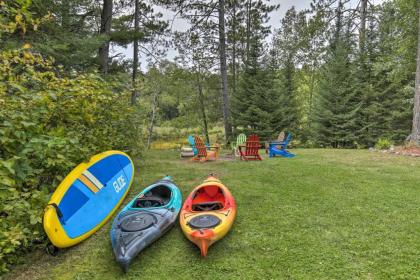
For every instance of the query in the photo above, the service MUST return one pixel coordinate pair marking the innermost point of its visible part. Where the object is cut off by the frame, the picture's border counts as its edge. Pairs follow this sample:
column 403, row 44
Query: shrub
column 49, row 122
column 383, row 144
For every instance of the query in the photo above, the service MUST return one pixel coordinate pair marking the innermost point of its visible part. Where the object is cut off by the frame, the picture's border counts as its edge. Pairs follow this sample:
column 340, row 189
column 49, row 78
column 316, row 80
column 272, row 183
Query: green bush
column 49, row 122
column 383, row 144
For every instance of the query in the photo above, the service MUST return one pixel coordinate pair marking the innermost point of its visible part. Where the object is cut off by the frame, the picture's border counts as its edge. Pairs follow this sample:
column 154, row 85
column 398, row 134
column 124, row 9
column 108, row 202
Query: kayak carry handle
column 212, row 174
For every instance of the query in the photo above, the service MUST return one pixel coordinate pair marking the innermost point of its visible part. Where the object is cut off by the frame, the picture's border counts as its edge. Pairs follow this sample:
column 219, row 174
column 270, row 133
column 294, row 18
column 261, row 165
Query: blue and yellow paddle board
column 87, row 198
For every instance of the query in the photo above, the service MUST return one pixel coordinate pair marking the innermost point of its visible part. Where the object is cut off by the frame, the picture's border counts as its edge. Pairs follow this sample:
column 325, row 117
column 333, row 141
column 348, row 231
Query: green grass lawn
column 326, row 214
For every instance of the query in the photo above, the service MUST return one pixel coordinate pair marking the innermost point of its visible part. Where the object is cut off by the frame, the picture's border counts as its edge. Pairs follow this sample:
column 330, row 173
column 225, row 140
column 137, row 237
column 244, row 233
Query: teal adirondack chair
column 192, row 144
column 191, row 141
column 241, row 139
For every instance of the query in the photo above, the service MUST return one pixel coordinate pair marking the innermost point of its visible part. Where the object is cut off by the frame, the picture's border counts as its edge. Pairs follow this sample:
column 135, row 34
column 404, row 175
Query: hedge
column 49, row 122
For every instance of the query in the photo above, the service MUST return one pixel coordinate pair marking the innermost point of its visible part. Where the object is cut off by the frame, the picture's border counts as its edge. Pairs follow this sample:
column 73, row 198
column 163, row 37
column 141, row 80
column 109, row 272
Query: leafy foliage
column 49, row 122
column 383, row 144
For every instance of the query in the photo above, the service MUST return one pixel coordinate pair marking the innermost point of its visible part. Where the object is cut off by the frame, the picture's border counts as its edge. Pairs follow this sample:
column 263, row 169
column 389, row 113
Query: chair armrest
column 217, row 147
column 276, row 143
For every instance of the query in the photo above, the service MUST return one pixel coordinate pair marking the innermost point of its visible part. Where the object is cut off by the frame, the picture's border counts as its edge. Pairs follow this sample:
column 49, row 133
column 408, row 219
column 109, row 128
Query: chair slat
column 199, row 145
column 252, row 147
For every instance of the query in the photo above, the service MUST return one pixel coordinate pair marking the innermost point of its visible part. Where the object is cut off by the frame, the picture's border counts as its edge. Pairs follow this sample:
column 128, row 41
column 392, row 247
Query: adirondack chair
column 202, row 153
column 186, row 151
column 279, row 148
column 192, row 144
column 280, row 138
column 241, row 139
column 251, row 147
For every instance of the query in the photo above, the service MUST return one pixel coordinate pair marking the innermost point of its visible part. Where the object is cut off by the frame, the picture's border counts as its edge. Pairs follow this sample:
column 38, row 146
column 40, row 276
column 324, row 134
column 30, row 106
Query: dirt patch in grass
column 407, row 151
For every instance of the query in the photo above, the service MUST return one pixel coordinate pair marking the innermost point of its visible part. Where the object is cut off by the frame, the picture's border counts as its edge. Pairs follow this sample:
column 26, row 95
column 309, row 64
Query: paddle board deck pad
column 144, row 219
column 87, row 198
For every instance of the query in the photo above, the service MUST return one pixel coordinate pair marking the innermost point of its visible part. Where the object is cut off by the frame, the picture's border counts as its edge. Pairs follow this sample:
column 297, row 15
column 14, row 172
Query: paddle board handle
column 55, row 206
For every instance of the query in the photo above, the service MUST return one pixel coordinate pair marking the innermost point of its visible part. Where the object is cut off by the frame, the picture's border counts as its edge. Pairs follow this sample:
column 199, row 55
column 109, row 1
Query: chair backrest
column 240, row 139
column 281, row 136
column 252, row 145
column 286, row 142
column 199, row 145
column 192, row 143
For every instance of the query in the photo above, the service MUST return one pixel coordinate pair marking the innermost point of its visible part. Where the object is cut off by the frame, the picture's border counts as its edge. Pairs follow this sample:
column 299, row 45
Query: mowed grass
column 326, row 214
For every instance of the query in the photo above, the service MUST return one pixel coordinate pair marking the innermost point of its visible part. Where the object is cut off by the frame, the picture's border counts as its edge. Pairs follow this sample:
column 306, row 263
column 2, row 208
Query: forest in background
column 334, row 75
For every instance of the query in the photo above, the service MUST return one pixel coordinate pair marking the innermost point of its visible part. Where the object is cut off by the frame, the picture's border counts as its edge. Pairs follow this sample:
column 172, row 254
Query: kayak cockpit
column 158, row 196
column 208, row 198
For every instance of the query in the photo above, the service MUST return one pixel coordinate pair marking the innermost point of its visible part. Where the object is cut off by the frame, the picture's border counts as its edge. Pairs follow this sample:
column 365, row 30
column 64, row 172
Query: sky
column 179, row 24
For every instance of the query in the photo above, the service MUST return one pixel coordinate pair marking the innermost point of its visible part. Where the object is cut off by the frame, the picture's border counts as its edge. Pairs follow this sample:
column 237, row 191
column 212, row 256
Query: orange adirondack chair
column 202, row 153
column 252, row 146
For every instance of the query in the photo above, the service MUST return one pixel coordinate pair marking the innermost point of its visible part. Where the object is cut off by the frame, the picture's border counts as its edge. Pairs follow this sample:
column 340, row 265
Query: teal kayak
column 144, row 219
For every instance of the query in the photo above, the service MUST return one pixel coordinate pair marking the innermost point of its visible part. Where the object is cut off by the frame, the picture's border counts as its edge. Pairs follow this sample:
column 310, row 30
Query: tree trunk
column 234, row 49
column 415, row 130
column 248, row 28
column 338, row 24
column 134, row 93
column 202, row 107
column 362, row 33
column 311, row 94
column 223, row 72
column 106, row 20
column 152, row 120
column 65, row 14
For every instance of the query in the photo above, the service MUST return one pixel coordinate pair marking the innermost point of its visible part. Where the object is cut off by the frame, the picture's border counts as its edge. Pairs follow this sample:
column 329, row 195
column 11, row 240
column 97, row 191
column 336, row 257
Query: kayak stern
column 203, row 238
column 124, row 262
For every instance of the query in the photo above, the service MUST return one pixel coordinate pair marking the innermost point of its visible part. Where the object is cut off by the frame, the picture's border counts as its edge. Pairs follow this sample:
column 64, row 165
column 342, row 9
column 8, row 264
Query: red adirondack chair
column 252, row 146
column 202, row 153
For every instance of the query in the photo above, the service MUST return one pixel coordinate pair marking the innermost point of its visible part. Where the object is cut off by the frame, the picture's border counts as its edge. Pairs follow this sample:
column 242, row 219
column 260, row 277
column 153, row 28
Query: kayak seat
column 149, row 201
column 207, row 206
column 156, row 197
column 208, row 198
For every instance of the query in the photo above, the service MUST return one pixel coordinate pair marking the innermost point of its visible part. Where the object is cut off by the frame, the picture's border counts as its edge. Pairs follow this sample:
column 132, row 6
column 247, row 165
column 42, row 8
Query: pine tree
column 286, row 113
column 336, row 105
column 254, row 104
column 393, row 72
column 371, row 121
column 286, row 46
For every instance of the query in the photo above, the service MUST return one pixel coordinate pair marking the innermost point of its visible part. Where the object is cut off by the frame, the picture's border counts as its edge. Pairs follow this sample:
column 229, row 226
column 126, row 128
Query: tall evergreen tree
column 368, row 132
column 254, row 103
column 393, row 69
column 336, row 105
column 287, row 44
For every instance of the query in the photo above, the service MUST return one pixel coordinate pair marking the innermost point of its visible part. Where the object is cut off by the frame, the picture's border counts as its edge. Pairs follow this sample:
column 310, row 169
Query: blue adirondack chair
column 191, row 141
column 274, row 149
